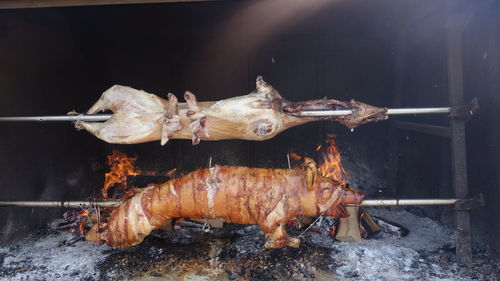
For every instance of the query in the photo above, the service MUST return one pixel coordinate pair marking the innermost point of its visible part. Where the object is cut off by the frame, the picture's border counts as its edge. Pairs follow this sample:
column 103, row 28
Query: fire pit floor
column 236, row 253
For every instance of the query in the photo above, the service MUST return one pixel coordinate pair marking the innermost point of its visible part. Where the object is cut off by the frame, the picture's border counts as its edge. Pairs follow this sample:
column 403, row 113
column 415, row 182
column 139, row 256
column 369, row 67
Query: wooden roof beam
column 26, row 4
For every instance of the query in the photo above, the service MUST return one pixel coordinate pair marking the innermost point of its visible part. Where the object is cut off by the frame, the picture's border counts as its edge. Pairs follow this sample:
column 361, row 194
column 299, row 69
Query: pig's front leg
column 274, row 228
column 278, row 238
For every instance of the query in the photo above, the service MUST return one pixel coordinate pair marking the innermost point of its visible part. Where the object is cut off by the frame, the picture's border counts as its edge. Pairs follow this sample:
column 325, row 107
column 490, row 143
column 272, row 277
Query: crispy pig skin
column 266, row 197
column 142, row 117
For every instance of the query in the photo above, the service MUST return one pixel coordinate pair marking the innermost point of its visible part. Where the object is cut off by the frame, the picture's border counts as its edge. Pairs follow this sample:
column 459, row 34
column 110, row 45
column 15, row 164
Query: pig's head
column 333, row 196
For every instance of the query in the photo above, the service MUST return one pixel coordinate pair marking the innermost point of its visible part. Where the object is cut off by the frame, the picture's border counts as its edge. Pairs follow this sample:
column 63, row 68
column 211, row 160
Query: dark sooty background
column 56, row 60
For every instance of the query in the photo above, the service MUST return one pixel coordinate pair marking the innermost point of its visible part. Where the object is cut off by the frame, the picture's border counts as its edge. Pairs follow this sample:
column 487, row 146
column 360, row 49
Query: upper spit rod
column 74, row 118
column 390, row 111
column 112, row 204
column 104, row 117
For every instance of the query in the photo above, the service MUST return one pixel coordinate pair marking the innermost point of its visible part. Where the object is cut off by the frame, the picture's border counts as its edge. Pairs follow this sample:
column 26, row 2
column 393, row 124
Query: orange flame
column 120, row 167
column 84, row 213
column 331, row 165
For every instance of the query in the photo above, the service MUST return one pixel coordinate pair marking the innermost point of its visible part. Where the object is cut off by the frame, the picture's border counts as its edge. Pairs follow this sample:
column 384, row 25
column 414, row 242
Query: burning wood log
column 142, row 117
column 267, row 197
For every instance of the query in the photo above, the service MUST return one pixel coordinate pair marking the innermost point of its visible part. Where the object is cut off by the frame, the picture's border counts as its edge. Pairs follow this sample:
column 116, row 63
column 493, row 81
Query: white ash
column 425, row 233
column 422, row 255
column 51, row 258
column 250, row 242
column 425, row 254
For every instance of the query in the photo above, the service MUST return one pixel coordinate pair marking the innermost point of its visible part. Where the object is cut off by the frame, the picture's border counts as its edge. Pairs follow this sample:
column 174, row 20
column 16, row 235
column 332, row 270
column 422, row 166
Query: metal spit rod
column 65, row 204
column 319, row 113
column 407, row 202
column 390, row 111
column 112, row 204
column 74, row 118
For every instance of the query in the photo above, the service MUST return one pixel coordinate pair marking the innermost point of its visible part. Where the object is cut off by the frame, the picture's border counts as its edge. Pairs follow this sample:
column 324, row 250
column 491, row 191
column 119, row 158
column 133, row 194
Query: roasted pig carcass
column 142, row 117
column 266, row 197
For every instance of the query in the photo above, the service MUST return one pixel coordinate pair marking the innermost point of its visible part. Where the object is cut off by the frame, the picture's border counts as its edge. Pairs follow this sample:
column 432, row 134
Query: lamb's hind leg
column 101, row 105
column 104, row 103
column 91, row 127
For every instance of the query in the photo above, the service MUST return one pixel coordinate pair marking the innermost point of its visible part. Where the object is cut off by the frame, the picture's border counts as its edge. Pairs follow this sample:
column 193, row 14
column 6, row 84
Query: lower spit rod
column 319, row 113
column 113, row 204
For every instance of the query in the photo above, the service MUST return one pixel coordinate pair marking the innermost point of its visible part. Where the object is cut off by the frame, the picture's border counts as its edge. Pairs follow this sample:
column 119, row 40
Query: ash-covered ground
column 236, row 253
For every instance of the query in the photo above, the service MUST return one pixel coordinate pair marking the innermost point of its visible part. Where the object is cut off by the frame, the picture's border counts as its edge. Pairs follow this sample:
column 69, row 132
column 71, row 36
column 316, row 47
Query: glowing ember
column 84, row 213
column 120, row 167
column 331, row 165
column 295, row 156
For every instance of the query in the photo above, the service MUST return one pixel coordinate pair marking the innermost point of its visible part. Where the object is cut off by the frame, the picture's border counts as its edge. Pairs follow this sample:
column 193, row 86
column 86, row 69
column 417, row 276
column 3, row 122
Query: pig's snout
column 353, row 197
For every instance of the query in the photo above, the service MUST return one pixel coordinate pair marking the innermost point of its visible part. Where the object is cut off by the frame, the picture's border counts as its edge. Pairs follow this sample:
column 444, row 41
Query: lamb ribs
column 142, row 117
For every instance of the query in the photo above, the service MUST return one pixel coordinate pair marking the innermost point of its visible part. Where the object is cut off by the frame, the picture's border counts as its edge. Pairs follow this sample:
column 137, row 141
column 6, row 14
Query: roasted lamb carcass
column 266, row 197
column 142, row 117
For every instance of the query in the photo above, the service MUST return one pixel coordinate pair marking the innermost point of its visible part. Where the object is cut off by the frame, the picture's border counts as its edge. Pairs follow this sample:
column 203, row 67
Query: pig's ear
column 311, row 170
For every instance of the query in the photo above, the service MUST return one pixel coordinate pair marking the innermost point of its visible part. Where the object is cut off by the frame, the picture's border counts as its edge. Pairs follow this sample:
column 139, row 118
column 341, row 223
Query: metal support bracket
column 470, row 204
column 465, row 111
column 424, row 128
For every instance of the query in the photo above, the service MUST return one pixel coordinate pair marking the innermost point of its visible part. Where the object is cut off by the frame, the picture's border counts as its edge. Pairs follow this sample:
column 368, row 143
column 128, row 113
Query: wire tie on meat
column 320, row 222
column 313, row 222
column 96, row 207
column 79, row 118
column 206, row 226
column 322, row 214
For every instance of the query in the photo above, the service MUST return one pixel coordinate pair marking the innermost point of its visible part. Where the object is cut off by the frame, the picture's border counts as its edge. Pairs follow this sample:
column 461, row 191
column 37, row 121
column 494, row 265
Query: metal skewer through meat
column 321, row 113
column 266, row 197
column 117, row 203
column 142, row 117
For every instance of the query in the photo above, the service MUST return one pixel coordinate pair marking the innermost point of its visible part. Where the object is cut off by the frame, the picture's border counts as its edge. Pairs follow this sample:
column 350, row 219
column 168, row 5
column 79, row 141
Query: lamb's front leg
column 171, row 120
column 198, row 118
